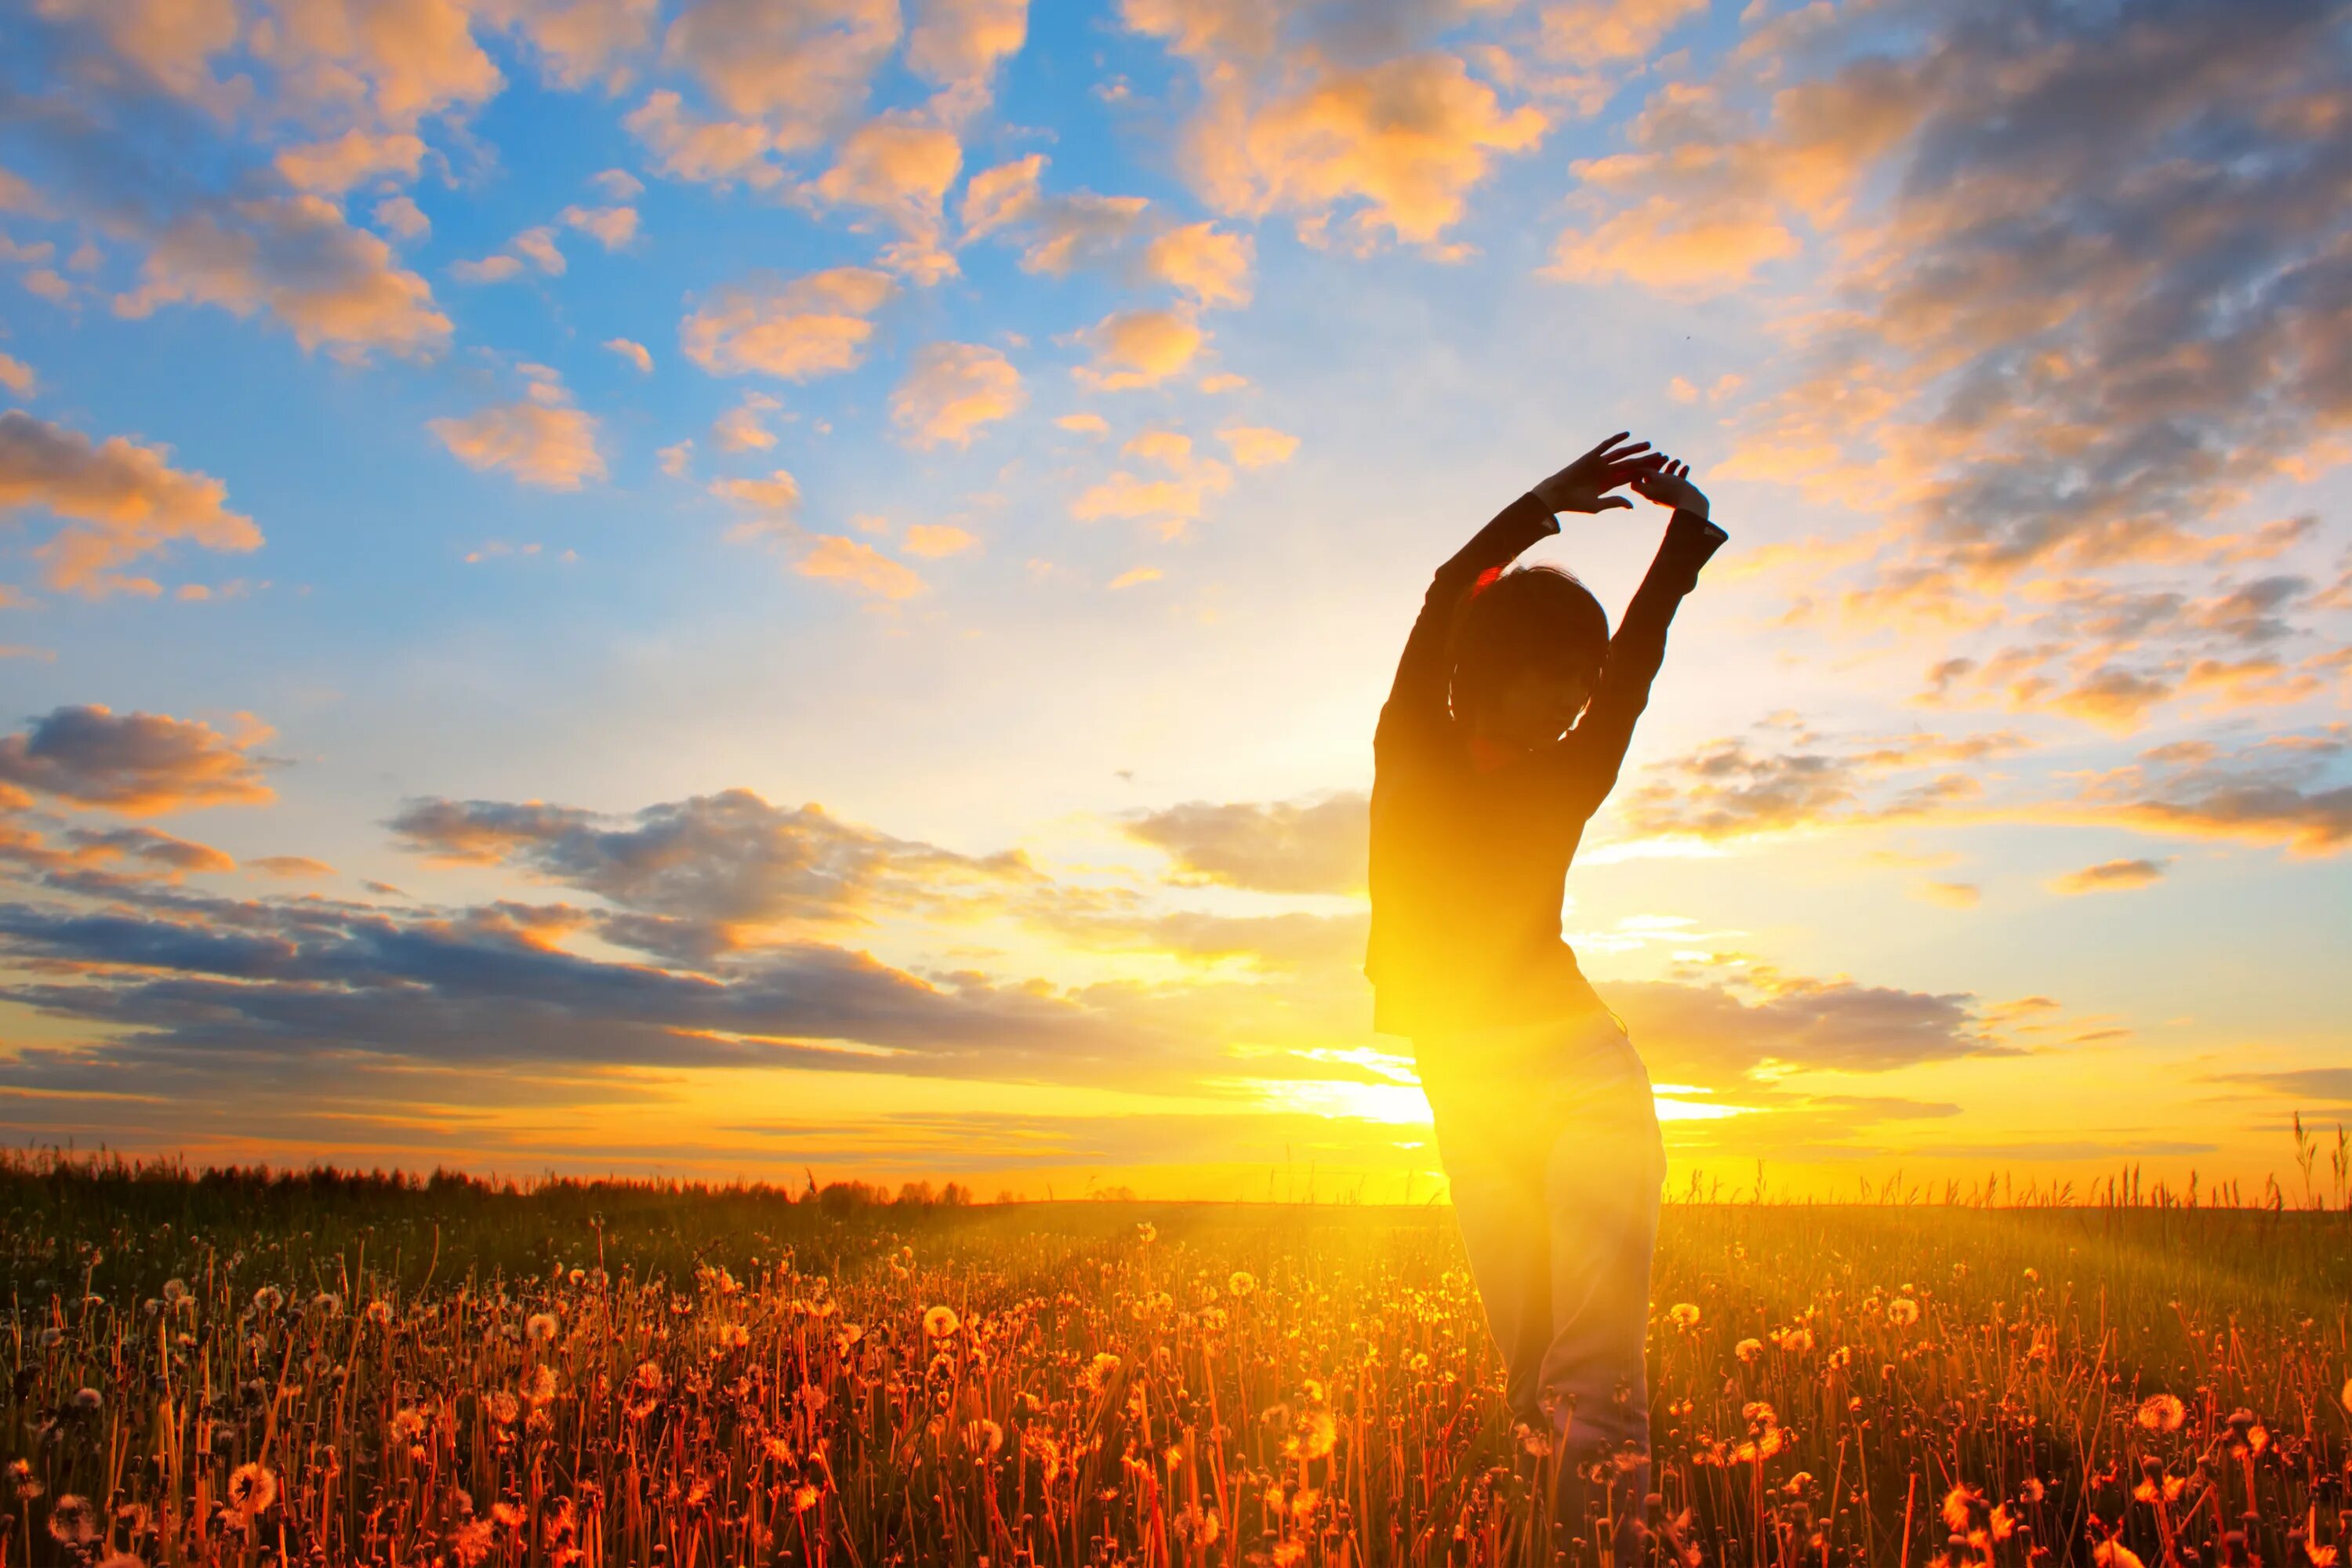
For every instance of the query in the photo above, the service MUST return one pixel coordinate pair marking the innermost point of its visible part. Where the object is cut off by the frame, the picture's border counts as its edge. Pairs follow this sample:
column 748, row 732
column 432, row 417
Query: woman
column 1484, row 775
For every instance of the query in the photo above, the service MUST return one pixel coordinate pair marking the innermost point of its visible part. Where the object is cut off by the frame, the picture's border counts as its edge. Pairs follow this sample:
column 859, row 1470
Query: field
column 320, row 1369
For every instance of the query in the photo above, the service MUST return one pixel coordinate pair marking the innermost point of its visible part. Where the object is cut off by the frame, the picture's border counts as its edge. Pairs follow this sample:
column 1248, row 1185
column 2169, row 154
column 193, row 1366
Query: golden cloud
column 950, row 390
column 1203, row 261
column 799, row 67
column 541, row 440
column 141, row 764
column 295, row 257
column 120, row 500
column 1258, row 446
column 1141, row 348
column 810, row 326
column 2110, row 876
column 331, row 167
column 858, row 565
column 1399, row 143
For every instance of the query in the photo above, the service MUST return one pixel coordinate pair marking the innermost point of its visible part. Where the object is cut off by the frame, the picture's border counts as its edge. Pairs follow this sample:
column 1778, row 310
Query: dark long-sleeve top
column 1469, row 864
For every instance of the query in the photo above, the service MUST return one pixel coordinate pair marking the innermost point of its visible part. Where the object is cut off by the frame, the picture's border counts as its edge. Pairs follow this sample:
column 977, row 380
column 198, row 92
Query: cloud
column 119, row 502
column 170, row 42
column 537, row 246
column 331, row 285
column 611, row 228
column 932, row 540
column 2081, row 283
column 395, row 61
column 1257, row 446
column 2109, row 876
column 950, row 390
column 141, row 764
column 731, row 859
column 1274, row 846
column 1169, row 503
column 1203, row 261
column 1285, row 123
column 1141, row 348
column 1134, row 577
column 776, row 497
column 959, row 44
column 1612, row 29
column 899, row 169
column 2112, row 653
column 1001, row 196
column 1085, row 424
column 540, row 439
column 1734, row 788
column 708, row 152
column 740, row 428
column 2279, row 791
column 2299, row 1083
column 579, row 41
column 811, row 326
column 292, row 866
column 331, row 167
column 402, row 218
column 635, row 353
column 798, row 68
column 16, row 376
column 857, row 564
column 1700, row 1030
column 487, row 270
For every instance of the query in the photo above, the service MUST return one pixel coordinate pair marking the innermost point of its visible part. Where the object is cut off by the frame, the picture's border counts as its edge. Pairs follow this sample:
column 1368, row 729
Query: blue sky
column 1052, row 525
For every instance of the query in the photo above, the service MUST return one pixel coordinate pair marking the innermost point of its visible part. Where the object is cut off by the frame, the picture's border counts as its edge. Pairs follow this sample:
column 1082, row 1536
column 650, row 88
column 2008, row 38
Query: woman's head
column 1527, row 655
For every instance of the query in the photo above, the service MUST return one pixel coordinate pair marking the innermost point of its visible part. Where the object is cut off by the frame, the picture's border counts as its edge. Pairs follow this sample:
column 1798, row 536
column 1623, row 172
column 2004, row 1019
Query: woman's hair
column 1538, row 616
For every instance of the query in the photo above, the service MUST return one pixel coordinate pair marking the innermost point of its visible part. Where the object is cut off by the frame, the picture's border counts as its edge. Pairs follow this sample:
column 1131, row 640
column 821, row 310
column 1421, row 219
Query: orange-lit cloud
column 1798, row 781
column 612, row 227
column 2109, row 876
column 334, row 285
column 396, row 61
column 1203, row 261
column 1258, row 446
column 1274, row 846
column 899, row 168
column 810, row 326
column 1396, row 142
column 950, row 390
column 931, row 541
column 540, row 439
column 742, row 427
column 2280, row 791
column 959, row 44
column 138, row 763
column 1170, row 500
column 1141, row 348
column 685, row 146
column 857, row 564
column 118, row 500
column 798, row 68
column 331, row 167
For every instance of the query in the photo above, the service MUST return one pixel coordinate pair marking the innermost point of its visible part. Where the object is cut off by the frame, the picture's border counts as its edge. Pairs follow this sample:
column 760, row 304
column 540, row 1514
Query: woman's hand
column 1584, row 485
column 1669, row 485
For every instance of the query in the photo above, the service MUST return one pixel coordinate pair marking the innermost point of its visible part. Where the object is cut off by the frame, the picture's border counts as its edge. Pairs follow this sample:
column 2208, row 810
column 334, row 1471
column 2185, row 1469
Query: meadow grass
column 327, row 1369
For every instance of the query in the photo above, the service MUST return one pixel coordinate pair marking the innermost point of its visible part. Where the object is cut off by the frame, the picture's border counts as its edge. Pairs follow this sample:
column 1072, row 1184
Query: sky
column 734, row 589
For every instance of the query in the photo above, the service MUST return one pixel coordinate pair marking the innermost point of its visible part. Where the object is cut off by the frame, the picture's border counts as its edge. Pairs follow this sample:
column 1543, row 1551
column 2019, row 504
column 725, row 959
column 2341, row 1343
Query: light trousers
column 1551, row 1148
